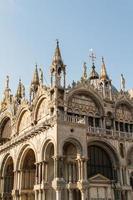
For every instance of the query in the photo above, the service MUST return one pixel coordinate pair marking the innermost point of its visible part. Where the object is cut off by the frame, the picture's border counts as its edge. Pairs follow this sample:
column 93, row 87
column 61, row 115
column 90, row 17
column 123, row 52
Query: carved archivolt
column 42, row 110
column 82, row 104
column 25, row 121
column 123, row 113
column 6, row 130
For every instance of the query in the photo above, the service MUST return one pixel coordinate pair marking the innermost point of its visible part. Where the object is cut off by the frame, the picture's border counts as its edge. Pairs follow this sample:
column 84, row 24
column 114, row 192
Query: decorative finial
column 41, row 75
column 7, row 82
column 92, row 56
column 57, row 42
column 122, row 83
column 36, row 65
column 103, row 60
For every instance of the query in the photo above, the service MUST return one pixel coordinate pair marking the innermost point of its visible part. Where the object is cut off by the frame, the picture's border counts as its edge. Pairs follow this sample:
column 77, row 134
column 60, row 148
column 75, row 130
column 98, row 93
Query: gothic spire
column 35, row 80
column 34, row 83
column 103, row 75
column 20, row 91
column 57, row 59
column 58, row 69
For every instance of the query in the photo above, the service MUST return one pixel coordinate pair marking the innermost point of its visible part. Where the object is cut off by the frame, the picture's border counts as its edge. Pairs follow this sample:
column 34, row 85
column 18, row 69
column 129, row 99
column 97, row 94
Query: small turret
column 34, row 83
column 58, row 69
column 20, row 94
column 35, row 80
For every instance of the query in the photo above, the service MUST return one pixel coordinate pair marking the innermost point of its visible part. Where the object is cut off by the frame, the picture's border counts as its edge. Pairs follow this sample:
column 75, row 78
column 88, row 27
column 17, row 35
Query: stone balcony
column 96, row 131
column 102, row 132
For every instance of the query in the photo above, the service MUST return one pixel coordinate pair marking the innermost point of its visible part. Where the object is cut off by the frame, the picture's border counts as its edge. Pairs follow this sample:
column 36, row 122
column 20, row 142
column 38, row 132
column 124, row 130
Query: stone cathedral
column 70, row 142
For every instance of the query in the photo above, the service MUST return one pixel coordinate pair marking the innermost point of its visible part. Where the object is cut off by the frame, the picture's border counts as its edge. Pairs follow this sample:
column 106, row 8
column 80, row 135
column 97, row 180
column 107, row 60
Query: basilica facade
column 70, row 142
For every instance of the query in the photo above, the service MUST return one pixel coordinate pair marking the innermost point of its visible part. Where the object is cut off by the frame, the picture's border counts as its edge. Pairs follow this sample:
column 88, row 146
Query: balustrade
column 95, row 130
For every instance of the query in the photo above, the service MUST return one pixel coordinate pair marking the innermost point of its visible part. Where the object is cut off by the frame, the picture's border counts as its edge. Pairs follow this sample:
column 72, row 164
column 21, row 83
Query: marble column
column 40, row 195
column 44, row 195
column 58, row 195
column 43, row 171
column 83, row 195
column 36, row 195
column 70, row 194
column 79, row 169
column 37, row 167
column 40, row 172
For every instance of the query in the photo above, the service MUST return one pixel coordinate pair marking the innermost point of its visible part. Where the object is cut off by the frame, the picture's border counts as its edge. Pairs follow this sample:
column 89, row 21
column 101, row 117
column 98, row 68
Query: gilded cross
column 92, row 56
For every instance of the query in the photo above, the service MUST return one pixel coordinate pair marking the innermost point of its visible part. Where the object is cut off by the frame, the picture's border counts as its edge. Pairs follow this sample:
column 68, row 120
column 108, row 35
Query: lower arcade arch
column 102, row 168
column 8, row 178
column 28, row 172
column 70, row 172
column 100, row 162
column 49, row 170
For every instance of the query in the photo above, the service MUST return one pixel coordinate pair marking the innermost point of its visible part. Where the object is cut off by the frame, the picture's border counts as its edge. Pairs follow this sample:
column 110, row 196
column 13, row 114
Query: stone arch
column 75, row 142
column 7, row 171
column 5, row 129
column 124, row 110
column 102, row 150
column 71, row 152
column 5, row 158
column 23, row 150
column 90, row 93
column 109, row 148
column 40, row 108
column 24, row 120
column 26, row 164
column 48, row 152
column 45, row 145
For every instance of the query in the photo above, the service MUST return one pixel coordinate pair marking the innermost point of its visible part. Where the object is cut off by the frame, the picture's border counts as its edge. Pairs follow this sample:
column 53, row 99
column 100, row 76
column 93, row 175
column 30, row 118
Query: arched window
column 99, row 162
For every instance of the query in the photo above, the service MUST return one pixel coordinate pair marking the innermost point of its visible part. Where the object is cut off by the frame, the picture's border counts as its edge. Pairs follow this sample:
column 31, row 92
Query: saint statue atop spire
column 41, row 76
column 84, row 76
column 7, row 82
column 7, row 89
column 122, row 83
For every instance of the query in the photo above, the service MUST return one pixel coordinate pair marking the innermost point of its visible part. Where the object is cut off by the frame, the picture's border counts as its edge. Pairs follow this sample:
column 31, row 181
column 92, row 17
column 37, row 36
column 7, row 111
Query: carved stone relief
column 123, row 113
column 82, row 104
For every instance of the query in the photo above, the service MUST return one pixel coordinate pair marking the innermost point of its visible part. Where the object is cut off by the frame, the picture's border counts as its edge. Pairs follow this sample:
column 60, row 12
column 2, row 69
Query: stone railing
column 95, row 131
column 72, row 119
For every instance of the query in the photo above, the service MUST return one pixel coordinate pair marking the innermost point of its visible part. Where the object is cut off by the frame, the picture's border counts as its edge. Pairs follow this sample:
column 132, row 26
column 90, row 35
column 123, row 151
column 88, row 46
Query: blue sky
column 29, row 29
